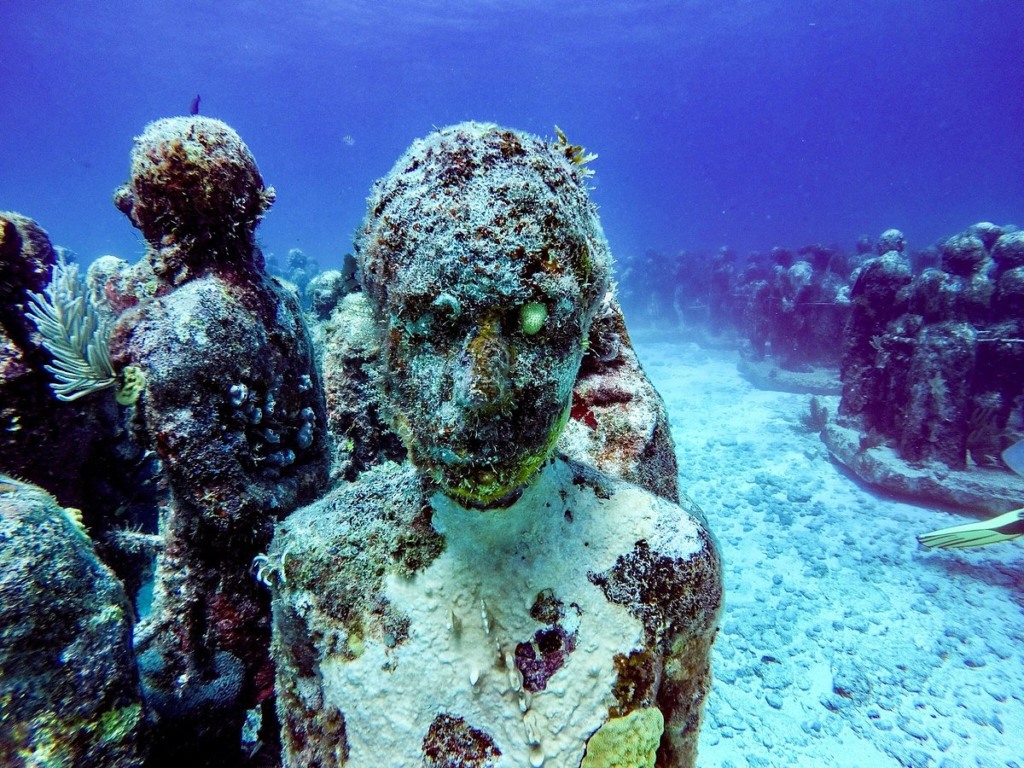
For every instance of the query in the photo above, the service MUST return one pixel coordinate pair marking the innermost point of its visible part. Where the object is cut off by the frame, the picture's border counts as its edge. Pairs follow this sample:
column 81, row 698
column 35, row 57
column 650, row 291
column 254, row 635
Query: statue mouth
column 479, row 479
column 486, row 473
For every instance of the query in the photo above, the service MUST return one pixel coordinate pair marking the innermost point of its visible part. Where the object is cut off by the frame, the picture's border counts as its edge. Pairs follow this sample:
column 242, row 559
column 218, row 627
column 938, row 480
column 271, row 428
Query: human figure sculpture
column 234, row 410
column 489, row 603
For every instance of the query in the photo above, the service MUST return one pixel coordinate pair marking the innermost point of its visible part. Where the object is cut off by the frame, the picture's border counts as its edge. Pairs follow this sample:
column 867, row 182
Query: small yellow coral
column 626, row 742
column 131, row 382
column 75, row 516
column 577, row 154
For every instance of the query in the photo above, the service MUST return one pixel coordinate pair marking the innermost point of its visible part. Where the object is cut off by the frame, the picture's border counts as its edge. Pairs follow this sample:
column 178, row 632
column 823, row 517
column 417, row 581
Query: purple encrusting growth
column 544, row 655
column 550, row 646
column 671, row 597
column 659, row 591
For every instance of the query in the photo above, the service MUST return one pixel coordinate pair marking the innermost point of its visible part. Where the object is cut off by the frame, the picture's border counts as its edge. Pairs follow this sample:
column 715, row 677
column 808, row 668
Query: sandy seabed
column 843, row 642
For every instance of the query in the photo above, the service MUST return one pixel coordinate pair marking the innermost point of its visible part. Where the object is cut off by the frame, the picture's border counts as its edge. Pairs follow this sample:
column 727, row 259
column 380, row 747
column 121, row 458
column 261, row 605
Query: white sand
column 826, row 587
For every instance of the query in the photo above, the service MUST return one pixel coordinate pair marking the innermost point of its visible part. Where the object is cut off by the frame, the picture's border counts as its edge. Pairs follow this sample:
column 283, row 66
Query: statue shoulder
column 669, row 572
column 347, row 541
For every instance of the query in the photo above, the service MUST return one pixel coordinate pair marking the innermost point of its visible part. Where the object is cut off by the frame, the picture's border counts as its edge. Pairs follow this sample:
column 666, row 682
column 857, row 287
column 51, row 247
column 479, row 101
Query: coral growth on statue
column 567, row 614
column 234, row 410
column 69, row 688
column 487, row 602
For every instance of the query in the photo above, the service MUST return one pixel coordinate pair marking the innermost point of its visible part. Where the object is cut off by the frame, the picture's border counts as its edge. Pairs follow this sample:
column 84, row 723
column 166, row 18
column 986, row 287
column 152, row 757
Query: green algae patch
column 118, row 725
column 48, row 741
column 532, row 317
column 131, row 383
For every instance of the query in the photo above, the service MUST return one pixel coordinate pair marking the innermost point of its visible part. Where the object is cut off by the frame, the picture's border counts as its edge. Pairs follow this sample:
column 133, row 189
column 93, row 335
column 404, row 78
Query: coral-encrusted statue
column 233, row 408
column 489, row 603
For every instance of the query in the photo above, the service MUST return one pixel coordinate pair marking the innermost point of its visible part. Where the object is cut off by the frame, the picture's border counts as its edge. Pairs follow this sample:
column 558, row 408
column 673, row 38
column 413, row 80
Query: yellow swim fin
column 1002, row 528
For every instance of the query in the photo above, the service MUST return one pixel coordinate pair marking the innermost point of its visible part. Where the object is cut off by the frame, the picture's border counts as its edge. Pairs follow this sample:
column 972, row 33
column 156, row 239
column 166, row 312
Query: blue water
column 748, row 124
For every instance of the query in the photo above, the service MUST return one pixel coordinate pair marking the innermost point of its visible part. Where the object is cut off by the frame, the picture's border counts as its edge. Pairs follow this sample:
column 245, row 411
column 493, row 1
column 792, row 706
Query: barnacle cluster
column 275, row 435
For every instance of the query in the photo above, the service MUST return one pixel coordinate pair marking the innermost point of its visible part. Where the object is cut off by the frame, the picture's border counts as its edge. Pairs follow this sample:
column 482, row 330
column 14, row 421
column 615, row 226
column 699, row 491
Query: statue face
column 479, row 379
column 484, row 261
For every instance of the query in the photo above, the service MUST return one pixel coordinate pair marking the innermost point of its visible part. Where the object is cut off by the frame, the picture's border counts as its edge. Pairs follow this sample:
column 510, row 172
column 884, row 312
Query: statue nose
column 486, row 362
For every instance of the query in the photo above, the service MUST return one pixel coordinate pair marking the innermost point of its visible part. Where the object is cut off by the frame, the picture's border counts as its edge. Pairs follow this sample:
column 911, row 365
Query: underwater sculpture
column 233, row 408
column 931, row 373
column 797, row 308
column 489, row 604
column 875, row 304
column 934, row 361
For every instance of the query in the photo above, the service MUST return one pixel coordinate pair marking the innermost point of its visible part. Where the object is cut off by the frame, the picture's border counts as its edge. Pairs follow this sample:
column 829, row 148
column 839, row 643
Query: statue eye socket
column 446, row 306
column 421, row 327
column 532, row 317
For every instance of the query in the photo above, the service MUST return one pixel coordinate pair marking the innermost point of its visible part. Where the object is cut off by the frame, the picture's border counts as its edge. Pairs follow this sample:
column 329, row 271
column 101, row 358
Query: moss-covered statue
column 489, row 603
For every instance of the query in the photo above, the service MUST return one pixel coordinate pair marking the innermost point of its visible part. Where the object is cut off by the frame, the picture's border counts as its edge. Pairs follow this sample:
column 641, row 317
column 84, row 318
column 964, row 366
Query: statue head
column 195, row 193
column 485, row 262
